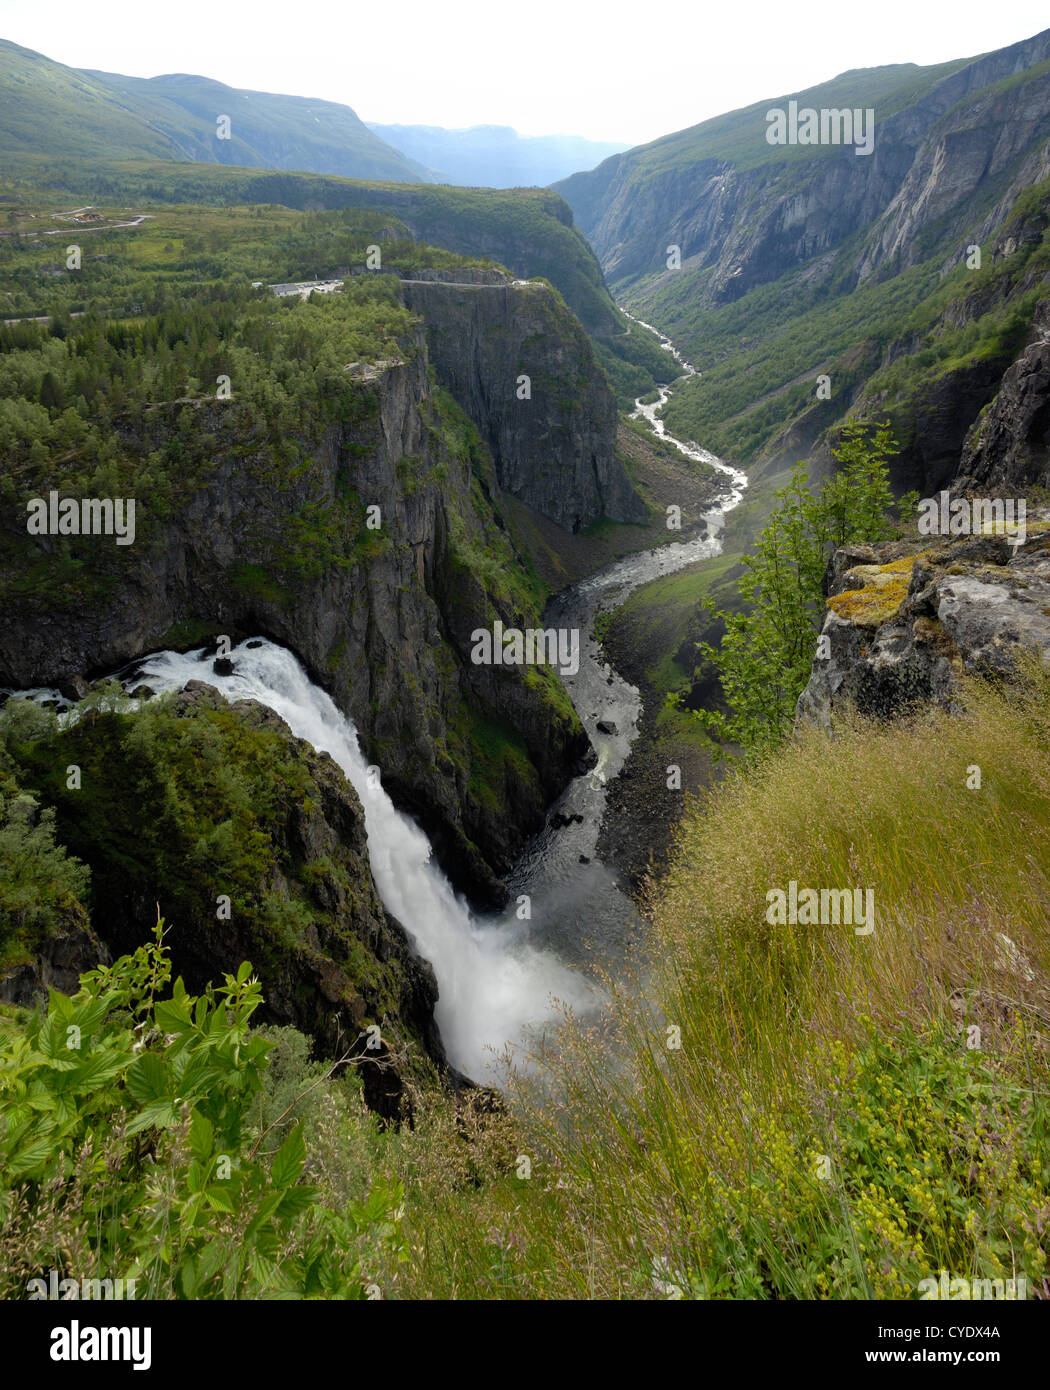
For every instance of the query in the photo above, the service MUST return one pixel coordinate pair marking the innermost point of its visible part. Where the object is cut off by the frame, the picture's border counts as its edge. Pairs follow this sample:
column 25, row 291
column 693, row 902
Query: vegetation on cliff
column 886, row 346
column 766, row 651
column 166, row 371
column 813, row 284
column 253, row 843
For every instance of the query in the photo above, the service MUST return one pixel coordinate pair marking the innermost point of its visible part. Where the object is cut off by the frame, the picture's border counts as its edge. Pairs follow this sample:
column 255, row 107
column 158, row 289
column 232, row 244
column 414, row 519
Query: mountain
column 805, row 262
column 494, row 156
column 530, row 231
column 47, row 108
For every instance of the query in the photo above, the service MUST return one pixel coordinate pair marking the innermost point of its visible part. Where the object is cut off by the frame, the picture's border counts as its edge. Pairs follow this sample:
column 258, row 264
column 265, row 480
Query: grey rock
column 971, row 605
column 555, row 450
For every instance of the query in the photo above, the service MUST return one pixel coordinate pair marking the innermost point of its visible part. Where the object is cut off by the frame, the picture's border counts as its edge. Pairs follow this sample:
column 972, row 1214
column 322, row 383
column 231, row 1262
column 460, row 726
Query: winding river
column 578, row 908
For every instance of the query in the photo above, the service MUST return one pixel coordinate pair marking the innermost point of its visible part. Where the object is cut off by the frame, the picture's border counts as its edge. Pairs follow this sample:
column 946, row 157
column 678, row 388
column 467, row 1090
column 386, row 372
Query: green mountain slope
column 47, row 108
column 799, row 262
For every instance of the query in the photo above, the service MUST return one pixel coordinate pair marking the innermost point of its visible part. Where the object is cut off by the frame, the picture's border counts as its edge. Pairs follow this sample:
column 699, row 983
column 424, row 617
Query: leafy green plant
column 127, row 1149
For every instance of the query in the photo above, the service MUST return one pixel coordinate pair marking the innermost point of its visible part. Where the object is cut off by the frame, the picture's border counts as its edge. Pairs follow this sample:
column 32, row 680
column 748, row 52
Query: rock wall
column 904, row 623
column 553, row 450
column 1007, row 448
column 747, row 223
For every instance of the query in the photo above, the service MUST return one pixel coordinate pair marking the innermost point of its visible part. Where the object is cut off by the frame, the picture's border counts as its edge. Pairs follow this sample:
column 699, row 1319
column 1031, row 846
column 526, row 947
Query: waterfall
column 495, row 985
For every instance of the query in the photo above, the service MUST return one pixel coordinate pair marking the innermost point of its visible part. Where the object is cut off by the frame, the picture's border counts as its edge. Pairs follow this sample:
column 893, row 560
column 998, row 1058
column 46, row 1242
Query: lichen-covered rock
column 902, row 627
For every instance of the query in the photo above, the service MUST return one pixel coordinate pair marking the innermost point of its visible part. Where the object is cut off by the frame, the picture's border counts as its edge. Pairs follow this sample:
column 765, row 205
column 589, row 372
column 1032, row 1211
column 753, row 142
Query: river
column 578, row 908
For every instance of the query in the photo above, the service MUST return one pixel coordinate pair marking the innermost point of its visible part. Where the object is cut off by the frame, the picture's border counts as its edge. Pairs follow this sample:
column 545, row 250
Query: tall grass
column 845, row 1115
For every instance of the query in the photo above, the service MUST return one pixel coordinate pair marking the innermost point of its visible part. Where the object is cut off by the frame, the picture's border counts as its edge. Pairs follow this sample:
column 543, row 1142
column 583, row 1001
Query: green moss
column 497, row 756
column 256, row 580
column 190, row 633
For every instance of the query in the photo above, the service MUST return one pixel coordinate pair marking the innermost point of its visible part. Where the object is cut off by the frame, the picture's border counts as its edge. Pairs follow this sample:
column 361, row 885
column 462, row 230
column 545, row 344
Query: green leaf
column 202, row 1136
column 220, row 1198
column 96, row 1069
column 266, row 1209
column 29, row 1159
column 172, row 1017
column 149, row 1078
column 295, row 1201
column 289, row 1159
column 161, row 1113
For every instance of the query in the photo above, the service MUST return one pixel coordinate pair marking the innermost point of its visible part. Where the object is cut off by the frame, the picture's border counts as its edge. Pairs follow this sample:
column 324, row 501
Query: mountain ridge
column 48, row 107
column 494, row 156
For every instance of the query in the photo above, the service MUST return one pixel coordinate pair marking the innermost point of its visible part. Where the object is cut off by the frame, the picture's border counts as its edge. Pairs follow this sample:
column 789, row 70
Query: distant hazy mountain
column 494, row 156
column 48, row 108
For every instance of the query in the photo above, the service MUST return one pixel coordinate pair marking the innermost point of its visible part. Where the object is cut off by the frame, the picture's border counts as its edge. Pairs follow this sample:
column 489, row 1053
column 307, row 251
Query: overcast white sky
column 617, row 71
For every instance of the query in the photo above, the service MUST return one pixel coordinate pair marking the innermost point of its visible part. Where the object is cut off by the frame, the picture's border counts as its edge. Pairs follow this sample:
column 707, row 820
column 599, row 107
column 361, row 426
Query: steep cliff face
column 194, row 798
column 744, row 212
column 552, row 437
column 382, row 618
column 1007, row 449
column 816, row 282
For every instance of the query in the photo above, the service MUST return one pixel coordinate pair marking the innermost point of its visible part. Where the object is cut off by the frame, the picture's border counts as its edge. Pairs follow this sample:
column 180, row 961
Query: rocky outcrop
column 381, row 619
column 57, row 963
column 551, row 436
column 1008, row 447
column 904, row 623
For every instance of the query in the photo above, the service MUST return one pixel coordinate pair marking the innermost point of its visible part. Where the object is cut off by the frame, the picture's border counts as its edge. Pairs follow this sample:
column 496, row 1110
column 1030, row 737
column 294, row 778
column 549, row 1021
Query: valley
column 440, row 619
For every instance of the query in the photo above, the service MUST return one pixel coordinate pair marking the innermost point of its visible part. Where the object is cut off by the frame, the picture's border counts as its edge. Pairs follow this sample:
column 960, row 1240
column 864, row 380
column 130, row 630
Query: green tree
column 765, row 656
column 51, row 393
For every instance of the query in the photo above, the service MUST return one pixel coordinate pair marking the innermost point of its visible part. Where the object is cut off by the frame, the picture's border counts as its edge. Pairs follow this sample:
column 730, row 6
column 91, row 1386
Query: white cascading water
column 495, row 987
